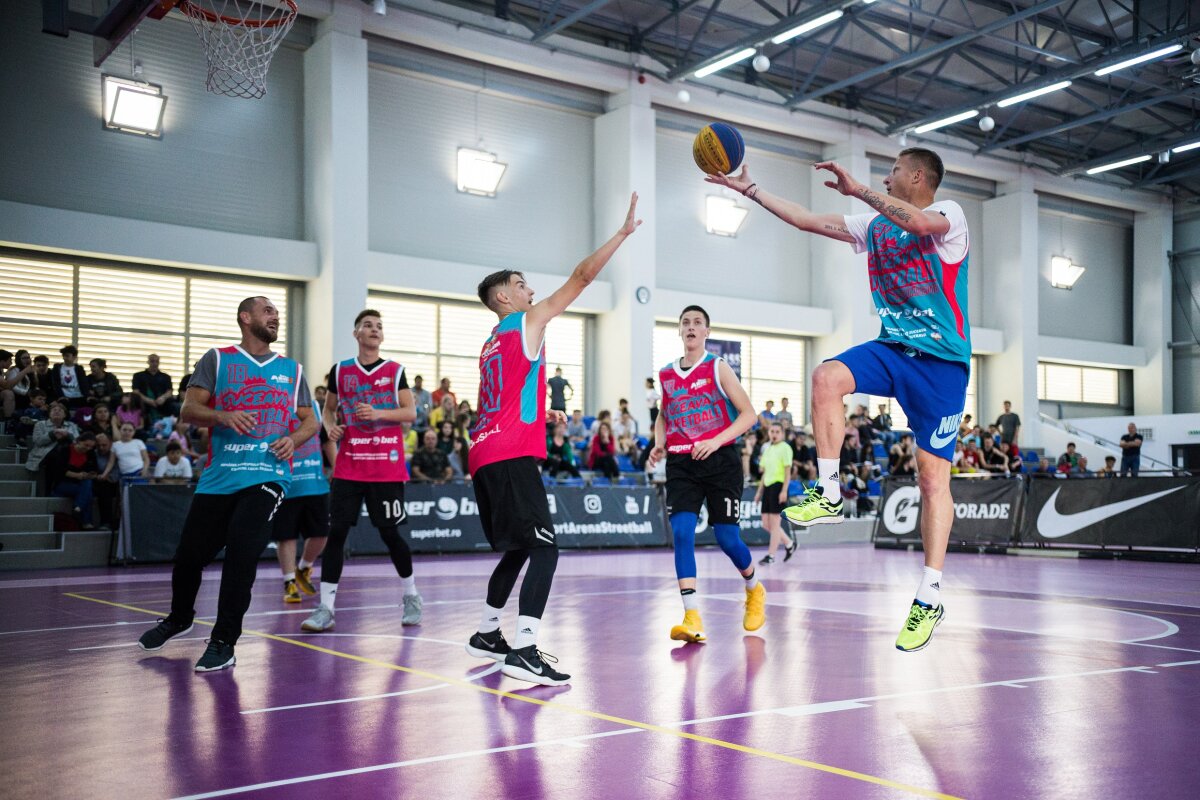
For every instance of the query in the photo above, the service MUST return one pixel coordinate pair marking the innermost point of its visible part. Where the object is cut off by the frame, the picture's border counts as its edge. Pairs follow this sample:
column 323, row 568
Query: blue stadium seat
column 642, row 442
column 625, row 464
column 600, row 480
column 879, row 451
column 570, row 482
column 587, row 422
column 873, row 489
column 626, row 480
column 795, row 488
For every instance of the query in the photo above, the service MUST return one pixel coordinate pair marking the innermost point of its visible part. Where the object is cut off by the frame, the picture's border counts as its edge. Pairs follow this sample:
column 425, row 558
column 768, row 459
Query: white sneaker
column 319, row 621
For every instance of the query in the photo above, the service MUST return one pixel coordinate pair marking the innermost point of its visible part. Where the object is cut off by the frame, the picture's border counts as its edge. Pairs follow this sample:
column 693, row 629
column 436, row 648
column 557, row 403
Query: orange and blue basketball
column 718, row 149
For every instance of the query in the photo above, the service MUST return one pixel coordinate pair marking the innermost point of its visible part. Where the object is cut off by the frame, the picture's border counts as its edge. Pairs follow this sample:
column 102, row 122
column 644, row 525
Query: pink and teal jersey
column 919, row 283
column 308, row 468
column 512, row 397
column 371, row 452
column 268, row 392
column 694, row 406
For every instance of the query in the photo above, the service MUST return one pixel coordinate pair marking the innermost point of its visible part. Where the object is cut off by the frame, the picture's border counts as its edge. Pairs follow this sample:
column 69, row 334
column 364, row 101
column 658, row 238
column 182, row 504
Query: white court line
column 1178, row 664
column 131, row 644
column 573, row 741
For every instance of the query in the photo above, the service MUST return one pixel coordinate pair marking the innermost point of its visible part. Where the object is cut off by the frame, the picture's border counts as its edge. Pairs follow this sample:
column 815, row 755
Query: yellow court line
column 629, row 723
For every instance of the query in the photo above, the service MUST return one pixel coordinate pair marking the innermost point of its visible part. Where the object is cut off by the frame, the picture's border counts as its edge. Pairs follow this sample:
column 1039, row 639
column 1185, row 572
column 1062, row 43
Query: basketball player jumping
column 917, row 261
column 374, row 399
column 704, row 411
column 506, row 444
column 250, row 399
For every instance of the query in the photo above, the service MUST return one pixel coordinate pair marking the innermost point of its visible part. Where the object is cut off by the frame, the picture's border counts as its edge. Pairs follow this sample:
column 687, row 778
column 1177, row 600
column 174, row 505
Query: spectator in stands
column 183, row 384
column 602, row 457
column 882, row 425
column 804, row 459
column 460, row 468
column 603, row 418
column 28, row 419
column 1016, row 463
column 181, row 436
column 973, row 435
column 105, row 486
column 902, row 448
column 429, row 463
column 1082, row 470
column 446, row 436
column 411, row 437
column 444, row 410
column 162, row 428
column 131, row 411
column 561, row 391
column 49, row 433
column 424, row 403
column 972, row 459
column 1131, row 452
column 956, row 461
column 906, row 465
column 851, row 493
column 1044, row 469
column 964, row 426
column 70, row 470
column 652, row 398
column 767, row 415
column 577, row 432
column 560, row 455
column 69, row 383
column 8, row 398
column 133, row 461
column 1110, row 468
column 784, row 417
column 626, row 431
column 443, row 390
column 850, row 456
column 40, row 377
column 173, row 467
column 994, row 459
column 101, row 421
column 993, row 433
column 1068, row 460
column 155, row 388
column 103, row 386
column 1009, row 424
column 466, row 412
column 18, row 379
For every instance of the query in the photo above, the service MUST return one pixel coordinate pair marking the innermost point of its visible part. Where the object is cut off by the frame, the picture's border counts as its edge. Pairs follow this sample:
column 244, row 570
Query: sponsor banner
column 730, row 351
column 986, row 511
column 445, row 519
column 749, row 518
column 152, row 523
column 1119, row 512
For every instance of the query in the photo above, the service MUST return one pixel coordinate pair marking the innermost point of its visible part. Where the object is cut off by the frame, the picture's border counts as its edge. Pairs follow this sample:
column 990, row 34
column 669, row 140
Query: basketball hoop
column 240, row 37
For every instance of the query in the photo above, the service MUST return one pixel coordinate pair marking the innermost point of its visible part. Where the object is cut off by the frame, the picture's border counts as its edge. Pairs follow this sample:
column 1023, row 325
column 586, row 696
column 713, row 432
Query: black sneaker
column 789, row 550
column 163, row 632
column 218, row 656
column 529, row 664
column 489, row 645
column 765, row 560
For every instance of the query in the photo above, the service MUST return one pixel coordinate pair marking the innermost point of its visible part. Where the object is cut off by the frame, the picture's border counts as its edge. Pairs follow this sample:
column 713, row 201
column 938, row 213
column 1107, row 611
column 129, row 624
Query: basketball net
column 239, row 37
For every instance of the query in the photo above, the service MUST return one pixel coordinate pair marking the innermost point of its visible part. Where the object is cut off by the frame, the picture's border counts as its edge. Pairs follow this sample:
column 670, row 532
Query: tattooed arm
column 912, row 219
column 794, row 214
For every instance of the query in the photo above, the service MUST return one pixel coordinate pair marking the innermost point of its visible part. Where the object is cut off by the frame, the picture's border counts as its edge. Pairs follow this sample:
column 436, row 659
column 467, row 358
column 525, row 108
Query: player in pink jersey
column 704, row 411
column 507, row 443
column 372, row 394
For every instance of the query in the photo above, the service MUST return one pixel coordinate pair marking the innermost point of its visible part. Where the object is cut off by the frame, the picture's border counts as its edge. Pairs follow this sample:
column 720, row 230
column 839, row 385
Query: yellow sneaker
column 304, row 580
column 756, row 608
column 290, row 593
column 691, row 629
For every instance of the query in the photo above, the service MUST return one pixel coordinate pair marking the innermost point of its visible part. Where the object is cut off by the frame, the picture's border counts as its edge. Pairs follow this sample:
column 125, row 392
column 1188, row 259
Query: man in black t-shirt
column 1131, row 451
column 155, row 388
column 1009, row 424
column 558, row 391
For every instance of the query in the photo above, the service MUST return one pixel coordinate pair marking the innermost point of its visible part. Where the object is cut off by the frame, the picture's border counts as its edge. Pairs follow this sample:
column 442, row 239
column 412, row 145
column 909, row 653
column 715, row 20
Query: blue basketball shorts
column 931, row 390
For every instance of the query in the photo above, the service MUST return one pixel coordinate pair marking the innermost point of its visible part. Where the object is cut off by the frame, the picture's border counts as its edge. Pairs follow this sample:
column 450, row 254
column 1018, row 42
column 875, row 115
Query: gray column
column 1153, row 390
column 335, row 161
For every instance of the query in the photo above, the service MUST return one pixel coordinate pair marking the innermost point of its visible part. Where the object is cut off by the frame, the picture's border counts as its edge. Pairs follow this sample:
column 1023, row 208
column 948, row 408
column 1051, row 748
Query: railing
column 1100, row 441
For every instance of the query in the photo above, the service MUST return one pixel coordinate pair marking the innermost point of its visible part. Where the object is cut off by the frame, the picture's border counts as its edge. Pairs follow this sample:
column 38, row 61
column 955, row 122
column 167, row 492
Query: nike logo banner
column 1136, row 512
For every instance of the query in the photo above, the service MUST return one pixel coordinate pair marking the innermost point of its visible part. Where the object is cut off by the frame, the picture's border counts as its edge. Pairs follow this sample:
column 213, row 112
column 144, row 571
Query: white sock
column 690, row 603
column 305, row 564
column 491, row 619
column 527, row 628
column 410, row 585
column 827, row 475
column 328, row 594
column 930, row 590
column 752, row 581
column 289, row 576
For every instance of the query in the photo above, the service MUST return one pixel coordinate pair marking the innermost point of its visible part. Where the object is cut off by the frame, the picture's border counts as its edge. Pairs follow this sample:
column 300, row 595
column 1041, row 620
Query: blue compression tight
column 729, row 537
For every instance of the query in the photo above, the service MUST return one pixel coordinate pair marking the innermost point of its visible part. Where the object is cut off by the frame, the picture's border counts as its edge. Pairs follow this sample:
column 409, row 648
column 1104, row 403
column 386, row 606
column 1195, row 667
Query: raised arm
column 915, row 220
column 585, row 272
column 794, row 214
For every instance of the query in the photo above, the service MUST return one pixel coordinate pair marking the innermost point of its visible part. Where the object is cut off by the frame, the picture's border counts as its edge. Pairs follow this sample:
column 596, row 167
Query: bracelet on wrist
column 748, row 190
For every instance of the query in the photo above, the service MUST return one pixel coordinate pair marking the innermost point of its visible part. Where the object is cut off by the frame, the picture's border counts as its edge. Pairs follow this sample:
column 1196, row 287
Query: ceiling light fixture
column 941, row 123
column 1153, row 54
column 479, row 172
column 811, row 25
column 1063, row 273
column 723, row 216
column 1118, row 164
column 132, row 106
column 740, row 55
column 1183, row 148
column 1021, row 98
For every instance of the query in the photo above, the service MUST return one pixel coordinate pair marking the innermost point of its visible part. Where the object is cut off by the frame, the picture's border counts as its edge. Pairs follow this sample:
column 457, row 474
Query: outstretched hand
column 844, row 183
column 631, row 220
column 739, row 183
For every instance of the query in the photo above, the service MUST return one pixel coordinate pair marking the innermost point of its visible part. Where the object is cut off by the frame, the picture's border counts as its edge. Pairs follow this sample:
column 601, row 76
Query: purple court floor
column 1051, row 677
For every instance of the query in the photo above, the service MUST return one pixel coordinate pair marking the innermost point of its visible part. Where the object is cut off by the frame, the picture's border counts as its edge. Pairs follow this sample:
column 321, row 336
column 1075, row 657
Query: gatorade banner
column 749, row 517
column 986, row 510
column 445, row 519
column 1117, row 512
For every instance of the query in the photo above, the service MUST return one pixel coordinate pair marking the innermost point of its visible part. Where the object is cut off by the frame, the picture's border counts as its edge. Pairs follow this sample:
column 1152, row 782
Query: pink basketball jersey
column 512, row 397
column 372, row 452
column 695, row 407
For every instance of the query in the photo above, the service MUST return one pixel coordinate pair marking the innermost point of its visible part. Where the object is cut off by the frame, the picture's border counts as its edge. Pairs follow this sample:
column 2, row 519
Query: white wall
column 223, row 163
column 1099, row 307
column 541, row 218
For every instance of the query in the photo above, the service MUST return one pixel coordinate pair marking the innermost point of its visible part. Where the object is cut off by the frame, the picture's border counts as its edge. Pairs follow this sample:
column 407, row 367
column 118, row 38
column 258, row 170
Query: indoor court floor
column 1051, row 677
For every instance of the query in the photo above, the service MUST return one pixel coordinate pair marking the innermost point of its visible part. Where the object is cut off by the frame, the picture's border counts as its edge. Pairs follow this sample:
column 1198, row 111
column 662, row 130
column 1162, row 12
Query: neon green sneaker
column 918, row 629
column 814, row 509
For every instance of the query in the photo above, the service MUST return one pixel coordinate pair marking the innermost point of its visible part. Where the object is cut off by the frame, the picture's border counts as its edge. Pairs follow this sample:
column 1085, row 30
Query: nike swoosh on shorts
column 938, row 444
column 1053, row 524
